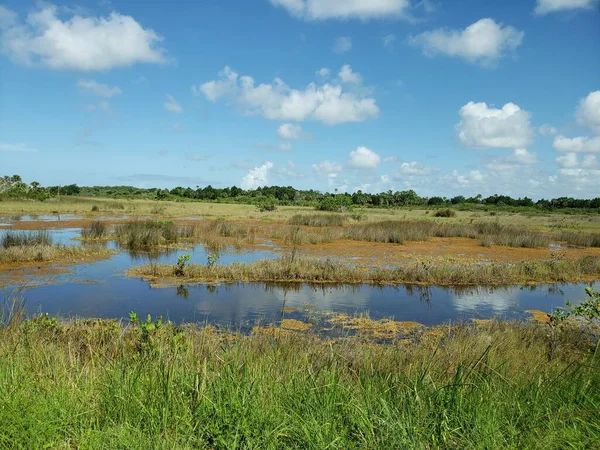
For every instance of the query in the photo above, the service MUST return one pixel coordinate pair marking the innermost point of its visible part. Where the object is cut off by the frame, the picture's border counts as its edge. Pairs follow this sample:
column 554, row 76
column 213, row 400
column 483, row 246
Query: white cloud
column 20, row 147
column 327, row 167
column 484, row 41
column 99, row 89
column 364, row 158
column 288, row 171
column 567, row 160
column 391, row 159
column 588, row 112
column 345, row 9
column 342, row 44
column 257, row 177
column 389, row 39
column 522, row 156
column 323, row 72
column 277, row 101
column 172, row 105
column 547, row 130
column 519, row 157
column 474, row 177
column 80, row 43
column 415, row 169
column 548, row 6
column 347, row 76
column 487, row 127
column 571, row 160
column 291, row 131
column 580, row 144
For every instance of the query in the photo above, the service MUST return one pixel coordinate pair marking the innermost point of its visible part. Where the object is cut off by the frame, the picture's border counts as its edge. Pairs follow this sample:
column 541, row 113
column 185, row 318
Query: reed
column 96, row 230
column 318, row 220
column 146, row 235
column 25, row 239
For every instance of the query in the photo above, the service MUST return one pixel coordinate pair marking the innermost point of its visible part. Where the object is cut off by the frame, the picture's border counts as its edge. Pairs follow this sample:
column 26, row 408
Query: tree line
column 14, row 187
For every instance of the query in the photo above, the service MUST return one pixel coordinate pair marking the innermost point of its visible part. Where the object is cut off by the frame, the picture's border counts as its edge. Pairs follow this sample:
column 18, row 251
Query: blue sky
column 442, row 97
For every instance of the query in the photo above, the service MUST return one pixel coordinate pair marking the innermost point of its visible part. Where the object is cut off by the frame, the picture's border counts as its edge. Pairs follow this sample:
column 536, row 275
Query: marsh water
column 100, row 289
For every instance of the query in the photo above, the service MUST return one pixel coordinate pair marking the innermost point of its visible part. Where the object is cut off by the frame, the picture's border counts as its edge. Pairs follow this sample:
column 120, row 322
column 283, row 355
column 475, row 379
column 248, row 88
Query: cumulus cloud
column 519, row 157
column 364, row 158
column 347, row 76
column 345, row 9
column 291, row 131
column 487, row 127
column 580, row 144
column 588, row 112
column 81, row 43
column 172, row 105
column 571, row 160
column 547, row 130
column 484, row 42
column 328, row 103
column 323, row 72
column 99, row 89
column 549, row 6
column 327, row 167
column 257, row 177
column 342, row 44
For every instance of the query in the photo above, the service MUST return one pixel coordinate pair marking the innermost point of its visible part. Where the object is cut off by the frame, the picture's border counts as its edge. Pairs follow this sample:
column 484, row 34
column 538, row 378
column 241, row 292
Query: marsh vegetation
column 25, row 247
column 132, row 386
column 291, row 268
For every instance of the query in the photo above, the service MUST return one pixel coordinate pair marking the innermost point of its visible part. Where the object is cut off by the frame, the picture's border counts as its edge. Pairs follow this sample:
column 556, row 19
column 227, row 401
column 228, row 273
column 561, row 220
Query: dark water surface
column 100, row 289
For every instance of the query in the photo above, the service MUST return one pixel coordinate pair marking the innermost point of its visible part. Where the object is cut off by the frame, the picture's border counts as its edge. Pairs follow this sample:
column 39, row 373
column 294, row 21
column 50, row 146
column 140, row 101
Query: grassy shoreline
column 98, row 384
column 306, row 270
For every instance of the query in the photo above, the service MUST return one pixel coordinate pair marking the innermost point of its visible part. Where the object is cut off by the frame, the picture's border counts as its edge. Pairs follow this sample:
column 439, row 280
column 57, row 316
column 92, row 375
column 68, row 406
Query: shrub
column 267, row 206
column 445, row 213
column 95, row 208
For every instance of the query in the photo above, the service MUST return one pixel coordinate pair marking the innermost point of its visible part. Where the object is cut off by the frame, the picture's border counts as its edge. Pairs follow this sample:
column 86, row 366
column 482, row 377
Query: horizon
column 442, row 99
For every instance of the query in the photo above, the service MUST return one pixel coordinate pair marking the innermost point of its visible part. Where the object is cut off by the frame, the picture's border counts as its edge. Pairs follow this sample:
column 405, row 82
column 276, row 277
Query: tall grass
column 97, row 385
column 52, row 253
column 318, row 220
column 146, row 235
column 299, row 269
column 25, row 239
column 579, row 239
column 96, row 230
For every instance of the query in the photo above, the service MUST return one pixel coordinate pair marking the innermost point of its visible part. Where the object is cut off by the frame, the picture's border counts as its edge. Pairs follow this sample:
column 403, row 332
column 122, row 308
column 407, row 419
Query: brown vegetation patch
column 376, row 254
column 538, row 316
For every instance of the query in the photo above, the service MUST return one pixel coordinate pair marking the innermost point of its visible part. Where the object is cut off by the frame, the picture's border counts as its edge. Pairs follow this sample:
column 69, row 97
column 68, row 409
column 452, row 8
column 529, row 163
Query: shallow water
column 100, row 289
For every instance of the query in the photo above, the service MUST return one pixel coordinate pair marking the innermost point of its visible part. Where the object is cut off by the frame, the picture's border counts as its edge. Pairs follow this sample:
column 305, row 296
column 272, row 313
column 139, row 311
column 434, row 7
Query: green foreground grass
column 311, row 270
column 102, row 385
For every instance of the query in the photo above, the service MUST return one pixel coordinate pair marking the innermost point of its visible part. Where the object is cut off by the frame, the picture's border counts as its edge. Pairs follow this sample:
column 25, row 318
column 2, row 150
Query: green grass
column 100, row 385
column 300, row 269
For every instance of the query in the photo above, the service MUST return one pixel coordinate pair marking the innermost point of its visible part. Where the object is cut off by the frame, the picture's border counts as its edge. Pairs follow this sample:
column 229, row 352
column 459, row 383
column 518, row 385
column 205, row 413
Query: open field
column 167, row 209
column 99, row 384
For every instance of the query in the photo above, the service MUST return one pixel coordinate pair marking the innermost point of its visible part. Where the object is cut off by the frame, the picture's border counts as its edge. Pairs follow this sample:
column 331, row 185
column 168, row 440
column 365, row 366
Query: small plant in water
column 180, row 267
column 211, row 259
